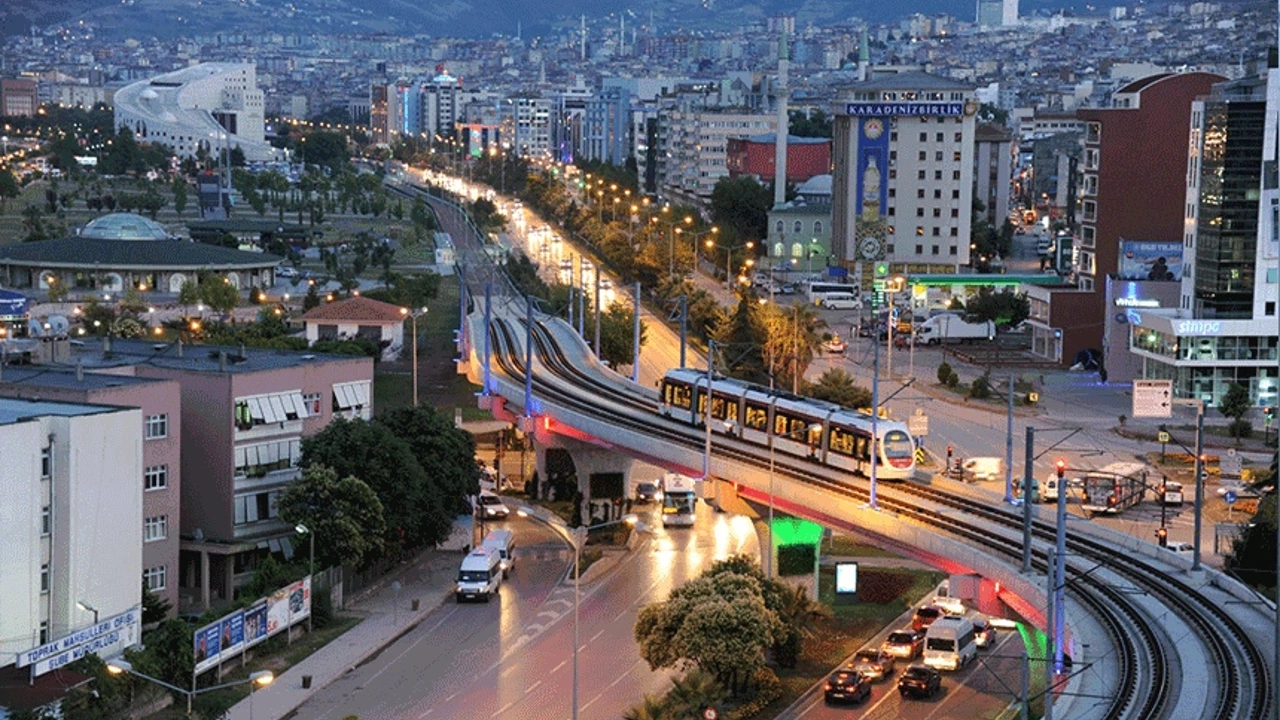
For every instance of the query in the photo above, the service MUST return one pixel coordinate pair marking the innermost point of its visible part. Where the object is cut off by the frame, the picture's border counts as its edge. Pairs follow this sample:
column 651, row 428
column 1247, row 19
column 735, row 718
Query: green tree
column 692, row 694
column 1253, row 555
column 344, row 515
column 9, row 188
column 179, row 194
column 740, row 208
column 33, row 223
column 837, row 386
column 445, row 452
column 650, row 708
column 169, row 654
column 1235, row 404
column 371, row 452
column 218, row 293
column 326, row 148
column 154, row 607
column 617, row 334
column 810, row 123
column 1004, row 308
column 189, row 293
column 105, row 696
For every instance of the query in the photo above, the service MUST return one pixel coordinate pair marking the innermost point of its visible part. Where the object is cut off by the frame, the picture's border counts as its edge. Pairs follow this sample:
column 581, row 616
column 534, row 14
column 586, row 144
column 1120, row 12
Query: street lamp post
column 578, row 536
column 88, row 608
column 260, row 678
column 413, row 316
column 304, row 530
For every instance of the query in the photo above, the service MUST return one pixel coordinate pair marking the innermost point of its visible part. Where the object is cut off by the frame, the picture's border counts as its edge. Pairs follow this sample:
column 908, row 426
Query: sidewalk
column 387, row 614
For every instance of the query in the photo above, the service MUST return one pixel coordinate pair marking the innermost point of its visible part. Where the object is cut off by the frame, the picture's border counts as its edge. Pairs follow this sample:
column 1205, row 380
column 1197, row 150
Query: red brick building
column 1133, row 185
column 754, row 156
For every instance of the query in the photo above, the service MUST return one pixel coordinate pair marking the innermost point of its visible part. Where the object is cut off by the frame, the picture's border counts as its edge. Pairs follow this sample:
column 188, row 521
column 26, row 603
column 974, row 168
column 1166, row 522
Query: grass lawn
column 274, row 655
column 847, row 546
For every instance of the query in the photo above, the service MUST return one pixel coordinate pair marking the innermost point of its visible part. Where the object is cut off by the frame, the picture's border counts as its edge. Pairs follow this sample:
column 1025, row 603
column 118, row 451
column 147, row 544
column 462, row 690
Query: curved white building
column 204, row 105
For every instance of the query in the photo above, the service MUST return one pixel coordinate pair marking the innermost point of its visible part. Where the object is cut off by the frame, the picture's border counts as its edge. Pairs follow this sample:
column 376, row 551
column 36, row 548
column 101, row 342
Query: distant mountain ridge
column 463, row 18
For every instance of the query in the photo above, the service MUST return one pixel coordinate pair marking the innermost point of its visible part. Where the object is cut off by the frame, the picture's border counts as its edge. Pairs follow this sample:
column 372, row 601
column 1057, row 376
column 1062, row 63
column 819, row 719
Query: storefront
column 1204, row 357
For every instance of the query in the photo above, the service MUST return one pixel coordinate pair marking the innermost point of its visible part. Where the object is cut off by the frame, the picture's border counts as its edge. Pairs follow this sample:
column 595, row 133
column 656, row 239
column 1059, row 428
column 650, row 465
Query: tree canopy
column 1003, row 308
column 445, row 452
column 740, row 208
column 343, row 514
column 617, row 334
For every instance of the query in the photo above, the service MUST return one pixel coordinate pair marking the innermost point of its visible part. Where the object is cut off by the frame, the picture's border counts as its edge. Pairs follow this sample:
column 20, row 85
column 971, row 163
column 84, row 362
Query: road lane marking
column 593, row 637
column 597, row 697
column 532, row 687
column 428, row 712
column 562, row 662
column 504, row 709
column 508, row 671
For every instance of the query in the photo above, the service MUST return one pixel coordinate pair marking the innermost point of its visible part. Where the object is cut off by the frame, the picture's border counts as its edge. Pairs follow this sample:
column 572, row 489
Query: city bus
column 1114, row 489
column 818, row 291
column 679, row 500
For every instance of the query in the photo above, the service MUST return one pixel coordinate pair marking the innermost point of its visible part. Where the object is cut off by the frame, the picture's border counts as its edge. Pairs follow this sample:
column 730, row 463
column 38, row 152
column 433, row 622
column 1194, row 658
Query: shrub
column 980, row 390
column 953, row 380
column 1240, row 428
column 945, row 372
column 768, row 689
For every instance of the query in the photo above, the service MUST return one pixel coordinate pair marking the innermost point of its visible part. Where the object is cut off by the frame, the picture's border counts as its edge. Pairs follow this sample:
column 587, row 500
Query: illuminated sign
column 908, row 109
column 1137, row 302
column 1198, row 327
column 846, row 578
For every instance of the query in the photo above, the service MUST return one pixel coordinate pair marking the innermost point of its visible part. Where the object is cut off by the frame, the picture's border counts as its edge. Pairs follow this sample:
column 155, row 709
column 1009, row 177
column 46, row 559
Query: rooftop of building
column 772, row 138
column 356, row 309
column 14, row 410
column 909, row 80
column 63, row 377
column 96, row 352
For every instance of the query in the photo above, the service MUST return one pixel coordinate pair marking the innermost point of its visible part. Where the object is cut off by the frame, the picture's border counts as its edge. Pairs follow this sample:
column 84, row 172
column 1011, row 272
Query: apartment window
column 46, row 521
column 155, row 528
column 955, row 232
column 955, row 212
column 44, row 578
column 924, row 137
column 955, row 194
column 937, row 231
column 46, row 462
column 44, row 631
column 1269, row 308
column 797, row 227
column 937, row 156
column 157, row 427
column 919, row 212
column 919, row 249
column 920, row 193
column 955, row 174
column 893, row 192
column 889, row 248
column 893, row 137
column 958, row 137
column 892, row 210
column 937, row 212
column 939, row 137
column 156, row 578
column 955, row 156
column 933, row 250
column 1090, row 211
column 937, row 194
column 817, row 227
column 953, row 249
column 937, row 174
column 156, row 477
column 923, row 155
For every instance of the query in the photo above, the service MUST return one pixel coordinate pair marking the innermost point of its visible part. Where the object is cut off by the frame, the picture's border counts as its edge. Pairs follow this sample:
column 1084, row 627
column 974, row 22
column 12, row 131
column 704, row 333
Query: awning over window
column 352, row 394
column 277, row 407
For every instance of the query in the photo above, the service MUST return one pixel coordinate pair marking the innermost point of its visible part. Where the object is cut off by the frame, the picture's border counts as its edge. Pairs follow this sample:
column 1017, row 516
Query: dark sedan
column 919, row 681
column 847, row 686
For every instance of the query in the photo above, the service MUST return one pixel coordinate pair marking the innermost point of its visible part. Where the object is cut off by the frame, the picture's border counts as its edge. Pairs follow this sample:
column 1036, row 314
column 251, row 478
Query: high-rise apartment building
column 902, row 153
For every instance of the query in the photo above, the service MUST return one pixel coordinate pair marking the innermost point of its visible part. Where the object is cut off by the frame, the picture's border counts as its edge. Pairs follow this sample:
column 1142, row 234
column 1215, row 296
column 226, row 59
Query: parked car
column 874, row 664
column 919, row 681
column 984, row 633
column 906, row 643
column 847, row 686
column 646, row 492
column 286, row 272
column 925, row 616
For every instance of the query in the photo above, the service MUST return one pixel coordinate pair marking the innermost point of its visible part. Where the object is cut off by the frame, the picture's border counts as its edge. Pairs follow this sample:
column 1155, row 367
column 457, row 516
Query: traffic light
column 1061, row 465
column 1162, row 537
column 1268, row 415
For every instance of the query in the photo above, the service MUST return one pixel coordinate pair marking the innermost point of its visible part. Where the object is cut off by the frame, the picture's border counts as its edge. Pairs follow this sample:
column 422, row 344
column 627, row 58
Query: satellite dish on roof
column 58, row 325
column 35, row 328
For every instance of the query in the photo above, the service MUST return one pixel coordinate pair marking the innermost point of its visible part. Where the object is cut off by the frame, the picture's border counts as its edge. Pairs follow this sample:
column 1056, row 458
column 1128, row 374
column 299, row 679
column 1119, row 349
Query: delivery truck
column 953, row 329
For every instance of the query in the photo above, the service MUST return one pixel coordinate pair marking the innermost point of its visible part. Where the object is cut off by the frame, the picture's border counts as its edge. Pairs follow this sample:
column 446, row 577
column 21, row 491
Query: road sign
column 1230, row 496
column 1152, row 398
column 1231, row 465
column 1162, row 436
column 918, row 425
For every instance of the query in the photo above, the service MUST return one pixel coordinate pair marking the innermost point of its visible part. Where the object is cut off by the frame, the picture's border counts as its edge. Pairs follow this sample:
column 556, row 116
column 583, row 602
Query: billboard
column 872, row 191
column 1147, row 260
column 232, row 634
column 108, row 637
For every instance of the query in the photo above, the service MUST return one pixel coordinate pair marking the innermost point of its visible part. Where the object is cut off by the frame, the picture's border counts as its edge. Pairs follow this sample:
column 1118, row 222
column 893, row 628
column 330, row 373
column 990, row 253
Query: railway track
column 1144, row 689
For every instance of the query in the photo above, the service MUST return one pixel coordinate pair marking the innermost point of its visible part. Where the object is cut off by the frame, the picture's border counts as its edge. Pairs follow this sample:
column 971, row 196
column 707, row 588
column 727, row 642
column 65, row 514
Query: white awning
column 351, row 394
column 276, row 407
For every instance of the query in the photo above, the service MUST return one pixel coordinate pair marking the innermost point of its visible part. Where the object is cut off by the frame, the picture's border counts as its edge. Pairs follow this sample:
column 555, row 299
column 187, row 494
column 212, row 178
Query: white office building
column 209, row 105
column 71, row 521
column 692, row 143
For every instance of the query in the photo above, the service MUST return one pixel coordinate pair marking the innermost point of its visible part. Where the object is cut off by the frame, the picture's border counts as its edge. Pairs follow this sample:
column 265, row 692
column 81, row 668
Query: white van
column 480, row 576
column 984, row 468
column 841, row 302
column 504, row 541
column 949, row 643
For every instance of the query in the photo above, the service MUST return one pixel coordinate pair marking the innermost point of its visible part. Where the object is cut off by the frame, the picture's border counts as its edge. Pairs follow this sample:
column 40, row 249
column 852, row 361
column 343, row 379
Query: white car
column 286, row 272
column 490, row 506
column 950, row 605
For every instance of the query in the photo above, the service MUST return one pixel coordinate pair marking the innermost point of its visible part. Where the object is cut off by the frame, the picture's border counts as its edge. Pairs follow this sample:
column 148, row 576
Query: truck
column 953, row 329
